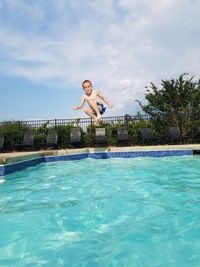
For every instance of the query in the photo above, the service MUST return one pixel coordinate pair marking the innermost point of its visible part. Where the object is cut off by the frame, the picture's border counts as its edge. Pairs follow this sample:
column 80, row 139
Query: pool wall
column 8, row 168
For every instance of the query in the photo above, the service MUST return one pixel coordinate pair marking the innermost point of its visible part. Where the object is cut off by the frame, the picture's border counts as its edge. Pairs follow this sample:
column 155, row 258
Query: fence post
column 55, row 123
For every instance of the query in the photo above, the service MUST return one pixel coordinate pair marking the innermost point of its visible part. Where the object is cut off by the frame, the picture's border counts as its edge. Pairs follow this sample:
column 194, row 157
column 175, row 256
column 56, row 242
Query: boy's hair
column 86, row 81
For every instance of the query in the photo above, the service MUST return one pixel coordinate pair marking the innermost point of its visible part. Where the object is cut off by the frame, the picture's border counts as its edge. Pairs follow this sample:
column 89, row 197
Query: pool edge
column 90, row 153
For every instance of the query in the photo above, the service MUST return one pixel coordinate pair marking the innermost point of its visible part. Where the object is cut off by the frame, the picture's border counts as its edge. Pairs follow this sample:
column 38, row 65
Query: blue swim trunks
column 101, row 107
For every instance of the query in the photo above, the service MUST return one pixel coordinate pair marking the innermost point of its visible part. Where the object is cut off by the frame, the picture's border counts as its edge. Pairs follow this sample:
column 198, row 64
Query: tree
column 177, row 103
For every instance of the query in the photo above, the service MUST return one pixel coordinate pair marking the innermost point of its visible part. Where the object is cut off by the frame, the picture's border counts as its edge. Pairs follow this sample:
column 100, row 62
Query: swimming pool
column 112, row 212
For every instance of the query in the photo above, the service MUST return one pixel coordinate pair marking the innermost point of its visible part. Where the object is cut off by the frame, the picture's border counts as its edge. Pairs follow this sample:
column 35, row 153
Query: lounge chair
column 52, row 137
column 100, row 135
column 75, row 135
column 28, row 138
column 147, row 135
column 122, row 135
column 175, row 134
column 1, row 142
column 196, row 137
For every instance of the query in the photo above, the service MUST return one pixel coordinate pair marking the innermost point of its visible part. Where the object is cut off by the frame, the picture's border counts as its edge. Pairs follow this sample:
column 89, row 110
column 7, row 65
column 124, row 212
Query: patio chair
column 100, row 135
column 175, row 134
column 28, row 137
column 147, row 135
column 197, row 134
column 75, row 135
column 122, row 135
column 1, row 142
column 52, row 137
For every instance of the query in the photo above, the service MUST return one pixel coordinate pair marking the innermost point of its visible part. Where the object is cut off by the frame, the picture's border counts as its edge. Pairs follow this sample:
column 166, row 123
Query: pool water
column 95, row 213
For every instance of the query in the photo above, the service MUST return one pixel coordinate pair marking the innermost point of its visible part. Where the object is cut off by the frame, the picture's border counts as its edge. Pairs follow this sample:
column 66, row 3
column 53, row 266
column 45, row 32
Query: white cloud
column 121, row 47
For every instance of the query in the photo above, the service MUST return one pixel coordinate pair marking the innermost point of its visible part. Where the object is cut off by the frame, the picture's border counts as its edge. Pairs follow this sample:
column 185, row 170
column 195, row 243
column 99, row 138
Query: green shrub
column 13, row 132
column 40, row 136
column 64, row 135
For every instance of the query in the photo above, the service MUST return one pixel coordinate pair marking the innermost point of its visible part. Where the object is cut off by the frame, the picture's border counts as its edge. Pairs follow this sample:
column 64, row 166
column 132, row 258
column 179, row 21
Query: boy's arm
column 80, row 105
column 104, row 99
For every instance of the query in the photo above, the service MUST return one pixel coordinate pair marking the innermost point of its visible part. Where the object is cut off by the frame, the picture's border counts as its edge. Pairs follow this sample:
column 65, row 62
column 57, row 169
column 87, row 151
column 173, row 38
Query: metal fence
column 81, row 122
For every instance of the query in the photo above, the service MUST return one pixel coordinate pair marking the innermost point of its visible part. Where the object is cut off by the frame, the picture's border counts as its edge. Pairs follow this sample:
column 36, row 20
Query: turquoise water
column 114, row 212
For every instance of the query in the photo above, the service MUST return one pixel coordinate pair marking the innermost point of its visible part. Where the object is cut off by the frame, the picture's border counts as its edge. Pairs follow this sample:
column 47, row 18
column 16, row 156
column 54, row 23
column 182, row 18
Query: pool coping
column 12, row 162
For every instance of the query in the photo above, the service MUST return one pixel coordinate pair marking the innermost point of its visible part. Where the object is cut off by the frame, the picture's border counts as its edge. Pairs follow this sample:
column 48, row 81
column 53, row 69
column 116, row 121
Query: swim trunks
column 101, row 107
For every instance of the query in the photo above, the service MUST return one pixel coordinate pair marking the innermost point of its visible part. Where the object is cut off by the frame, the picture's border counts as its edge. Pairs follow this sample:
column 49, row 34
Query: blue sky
column 48, row 47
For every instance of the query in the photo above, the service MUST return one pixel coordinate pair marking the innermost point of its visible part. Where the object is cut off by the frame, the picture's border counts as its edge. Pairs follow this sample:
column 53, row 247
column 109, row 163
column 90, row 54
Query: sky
column 48, row 47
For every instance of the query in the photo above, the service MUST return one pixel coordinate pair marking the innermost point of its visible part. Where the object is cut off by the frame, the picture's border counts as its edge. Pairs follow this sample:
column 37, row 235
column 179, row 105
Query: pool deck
column 13, row 157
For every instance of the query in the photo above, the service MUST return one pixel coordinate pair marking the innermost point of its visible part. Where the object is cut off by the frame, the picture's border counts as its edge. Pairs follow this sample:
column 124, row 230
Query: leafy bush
column 13, row 132
column 64, row 135
column 41, row 135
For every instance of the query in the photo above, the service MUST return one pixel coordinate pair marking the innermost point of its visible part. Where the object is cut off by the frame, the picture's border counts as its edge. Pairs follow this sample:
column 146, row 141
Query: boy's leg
column 91, row 114
column 94, row 107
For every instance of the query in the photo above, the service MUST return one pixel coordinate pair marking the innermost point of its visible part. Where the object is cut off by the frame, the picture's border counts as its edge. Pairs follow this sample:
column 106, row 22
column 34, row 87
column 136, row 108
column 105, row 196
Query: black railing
column 81, row 122
column 13, row 132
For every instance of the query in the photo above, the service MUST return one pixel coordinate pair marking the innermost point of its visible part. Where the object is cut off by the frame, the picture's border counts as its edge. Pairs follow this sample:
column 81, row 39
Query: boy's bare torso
column 93, row 97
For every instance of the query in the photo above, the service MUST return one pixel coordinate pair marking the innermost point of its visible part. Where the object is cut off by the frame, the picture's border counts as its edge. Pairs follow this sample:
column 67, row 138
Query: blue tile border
column 18, row 166
column 66, row 157
column 2, row 170
column 13, row 167
column 133, row 154
column 156, row 153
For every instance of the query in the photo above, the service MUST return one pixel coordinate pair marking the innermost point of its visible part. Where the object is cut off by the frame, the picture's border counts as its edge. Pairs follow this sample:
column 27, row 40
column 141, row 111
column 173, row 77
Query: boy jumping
column 96, row 109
